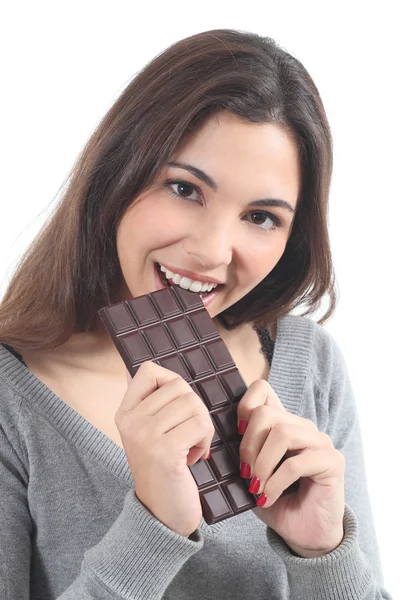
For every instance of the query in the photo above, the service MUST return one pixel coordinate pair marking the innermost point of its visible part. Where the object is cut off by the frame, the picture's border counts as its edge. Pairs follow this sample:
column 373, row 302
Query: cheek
column 262, row 257
column 150, row 225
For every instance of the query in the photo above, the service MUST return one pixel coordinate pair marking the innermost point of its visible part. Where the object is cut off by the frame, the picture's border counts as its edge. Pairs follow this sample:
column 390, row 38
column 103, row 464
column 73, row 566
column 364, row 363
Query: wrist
column 315, row 552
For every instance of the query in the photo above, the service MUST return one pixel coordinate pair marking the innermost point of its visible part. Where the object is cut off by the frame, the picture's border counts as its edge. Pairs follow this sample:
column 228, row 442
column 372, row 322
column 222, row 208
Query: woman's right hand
column 165, row 427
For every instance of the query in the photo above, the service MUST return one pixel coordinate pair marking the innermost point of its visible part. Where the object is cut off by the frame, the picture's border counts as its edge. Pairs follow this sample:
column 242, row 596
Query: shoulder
column 12, row 403
column 10, row 369
column 17, row 390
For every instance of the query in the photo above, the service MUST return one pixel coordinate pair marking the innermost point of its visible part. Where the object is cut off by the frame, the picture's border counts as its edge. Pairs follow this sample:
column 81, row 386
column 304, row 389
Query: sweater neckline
column 287, row 376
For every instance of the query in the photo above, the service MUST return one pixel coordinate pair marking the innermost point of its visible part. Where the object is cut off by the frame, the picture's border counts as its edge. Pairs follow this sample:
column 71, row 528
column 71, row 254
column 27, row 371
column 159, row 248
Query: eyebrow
column 211, row 183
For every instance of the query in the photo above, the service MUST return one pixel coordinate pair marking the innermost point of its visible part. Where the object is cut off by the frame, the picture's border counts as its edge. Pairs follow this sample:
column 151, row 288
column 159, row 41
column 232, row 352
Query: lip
column 191, row 275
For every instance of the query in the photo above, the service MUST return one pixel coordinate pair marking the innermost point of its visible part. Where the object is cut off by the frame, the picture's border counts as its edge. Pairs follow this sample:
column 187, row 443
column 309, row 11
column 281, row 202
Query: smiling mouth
column 170, row 283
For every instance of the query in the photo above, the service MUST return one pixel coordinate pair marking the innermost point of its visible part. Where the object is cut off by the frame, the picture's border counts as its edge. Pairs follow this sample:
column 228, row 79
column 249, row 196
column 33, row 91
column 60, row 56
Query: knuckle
column 245, row 452
column 326, row 439
column 147, row 367
column 195, row 401
column 340, row 458
column 272, row 487
column 121, row 421
column 261, row 386
column 204, row 421
column 180, row 386
column 308, row 423
column 282, row 430
column 126, row 426
column 261, row 412
column 118, row 417
column 130, row 428
column 293, row 465
column 272, row 412
column 201, row 407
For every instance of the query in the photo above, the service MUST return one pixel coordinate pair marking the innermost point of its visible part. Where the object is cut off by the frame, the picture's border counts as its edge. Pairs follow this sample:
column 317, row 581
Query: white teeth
column 188, row 284
column 185, row 283
column 196, row 286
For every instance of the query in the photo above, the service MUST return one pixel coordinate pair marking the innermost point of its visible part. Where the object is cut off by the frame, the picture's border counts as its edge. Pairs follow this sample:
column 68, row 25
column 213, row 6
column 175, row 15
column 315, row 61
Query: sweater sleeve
column 136, row 559
column 352, row 571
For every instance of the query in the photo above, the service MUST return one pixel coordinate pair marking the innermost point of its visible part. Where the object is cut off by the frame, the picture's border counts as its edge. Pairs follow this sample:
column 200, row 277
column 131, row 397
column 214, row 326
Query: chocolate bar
column 172, row 328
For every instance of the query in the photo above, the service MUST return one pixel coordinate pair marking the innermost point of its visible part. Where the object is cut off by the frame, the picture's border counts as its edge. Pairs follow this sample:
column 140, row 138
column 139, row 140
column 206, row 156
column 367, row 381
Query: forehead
column 257, row 157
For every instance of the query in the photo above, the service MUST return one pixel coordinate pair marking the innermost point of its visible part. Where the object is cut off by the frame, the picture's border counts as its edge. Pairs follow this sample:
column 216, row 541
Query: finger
column 262, row 421
column 153, row 388
column 284, row 438
column 128, row 377
column 180, row 410
column 148, row 378
column 259, row 393
column 324, row 466
column 190, row 436
column 164, row 395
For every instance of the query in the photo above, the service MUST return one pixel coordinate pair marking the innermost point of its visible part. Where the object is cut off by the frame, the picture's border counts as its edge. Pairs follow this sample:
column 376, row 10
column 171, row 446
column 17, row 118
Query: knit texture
column 72, row 527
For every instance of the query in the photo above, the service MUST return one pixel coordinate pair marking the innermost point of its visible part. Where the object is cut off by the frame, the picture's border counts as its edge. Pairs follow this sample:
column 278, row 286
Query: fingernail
column 254, row 485
column 242, row 427
column 245, row 470
column 209, row 454
column 261, row 500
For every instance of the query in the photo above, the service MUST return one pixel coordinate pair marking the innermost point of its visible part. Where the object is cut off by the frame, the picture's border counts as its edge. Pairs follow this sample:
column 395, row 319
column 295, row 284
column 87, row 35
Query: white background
column 65, row 63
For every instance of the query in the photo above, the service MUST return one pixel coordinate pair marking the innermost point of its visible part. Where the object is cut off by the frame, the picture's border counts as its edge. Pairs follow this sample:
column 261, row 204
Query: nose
column 211, row 243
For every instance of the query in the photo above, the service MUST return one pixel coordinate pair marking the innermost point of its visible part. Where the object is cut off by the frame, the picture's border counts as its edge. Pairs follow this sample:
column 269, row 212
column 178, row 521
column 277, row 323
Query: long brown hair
column 71, row 269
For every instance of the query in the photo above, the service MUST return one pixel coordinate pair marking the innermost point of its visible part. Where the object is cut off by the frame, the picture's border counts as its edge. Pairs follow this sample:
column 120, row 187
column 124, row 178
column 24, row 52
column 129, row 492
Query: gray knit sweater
column 71, row 526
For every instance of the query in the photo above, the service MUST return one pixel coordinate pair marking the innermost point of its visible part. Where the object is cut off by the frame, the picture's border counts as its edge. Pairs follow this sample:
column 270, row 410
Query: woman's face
column 223, row 216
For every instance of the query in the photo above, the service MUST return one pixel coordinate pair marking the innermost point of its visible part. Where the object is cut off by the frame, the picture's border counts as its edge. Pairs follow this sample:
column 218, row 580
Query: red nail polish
column 261, row 500
column 245, row 470
column 242, row 426
column 254, row 485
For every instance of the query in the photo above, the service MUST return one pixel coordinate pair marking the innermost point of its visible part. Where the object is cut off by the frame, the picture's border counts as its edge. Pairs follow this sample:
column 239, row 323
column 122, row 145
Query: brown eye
column 264, row 220
column 183, row 189
column 258, row 217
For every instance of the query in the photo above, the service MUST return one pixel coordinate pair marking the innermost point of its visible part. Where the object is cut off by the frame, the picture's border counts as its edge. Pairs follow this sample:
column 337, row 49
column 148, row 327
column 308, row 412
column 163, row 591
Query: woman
column 212, row 169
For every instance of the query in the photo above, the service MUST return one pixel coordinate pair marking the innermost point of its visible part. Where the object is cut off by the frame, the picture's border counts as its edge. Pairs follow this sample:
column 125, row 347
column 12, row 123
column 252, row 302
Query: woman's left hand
column 311, row 519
